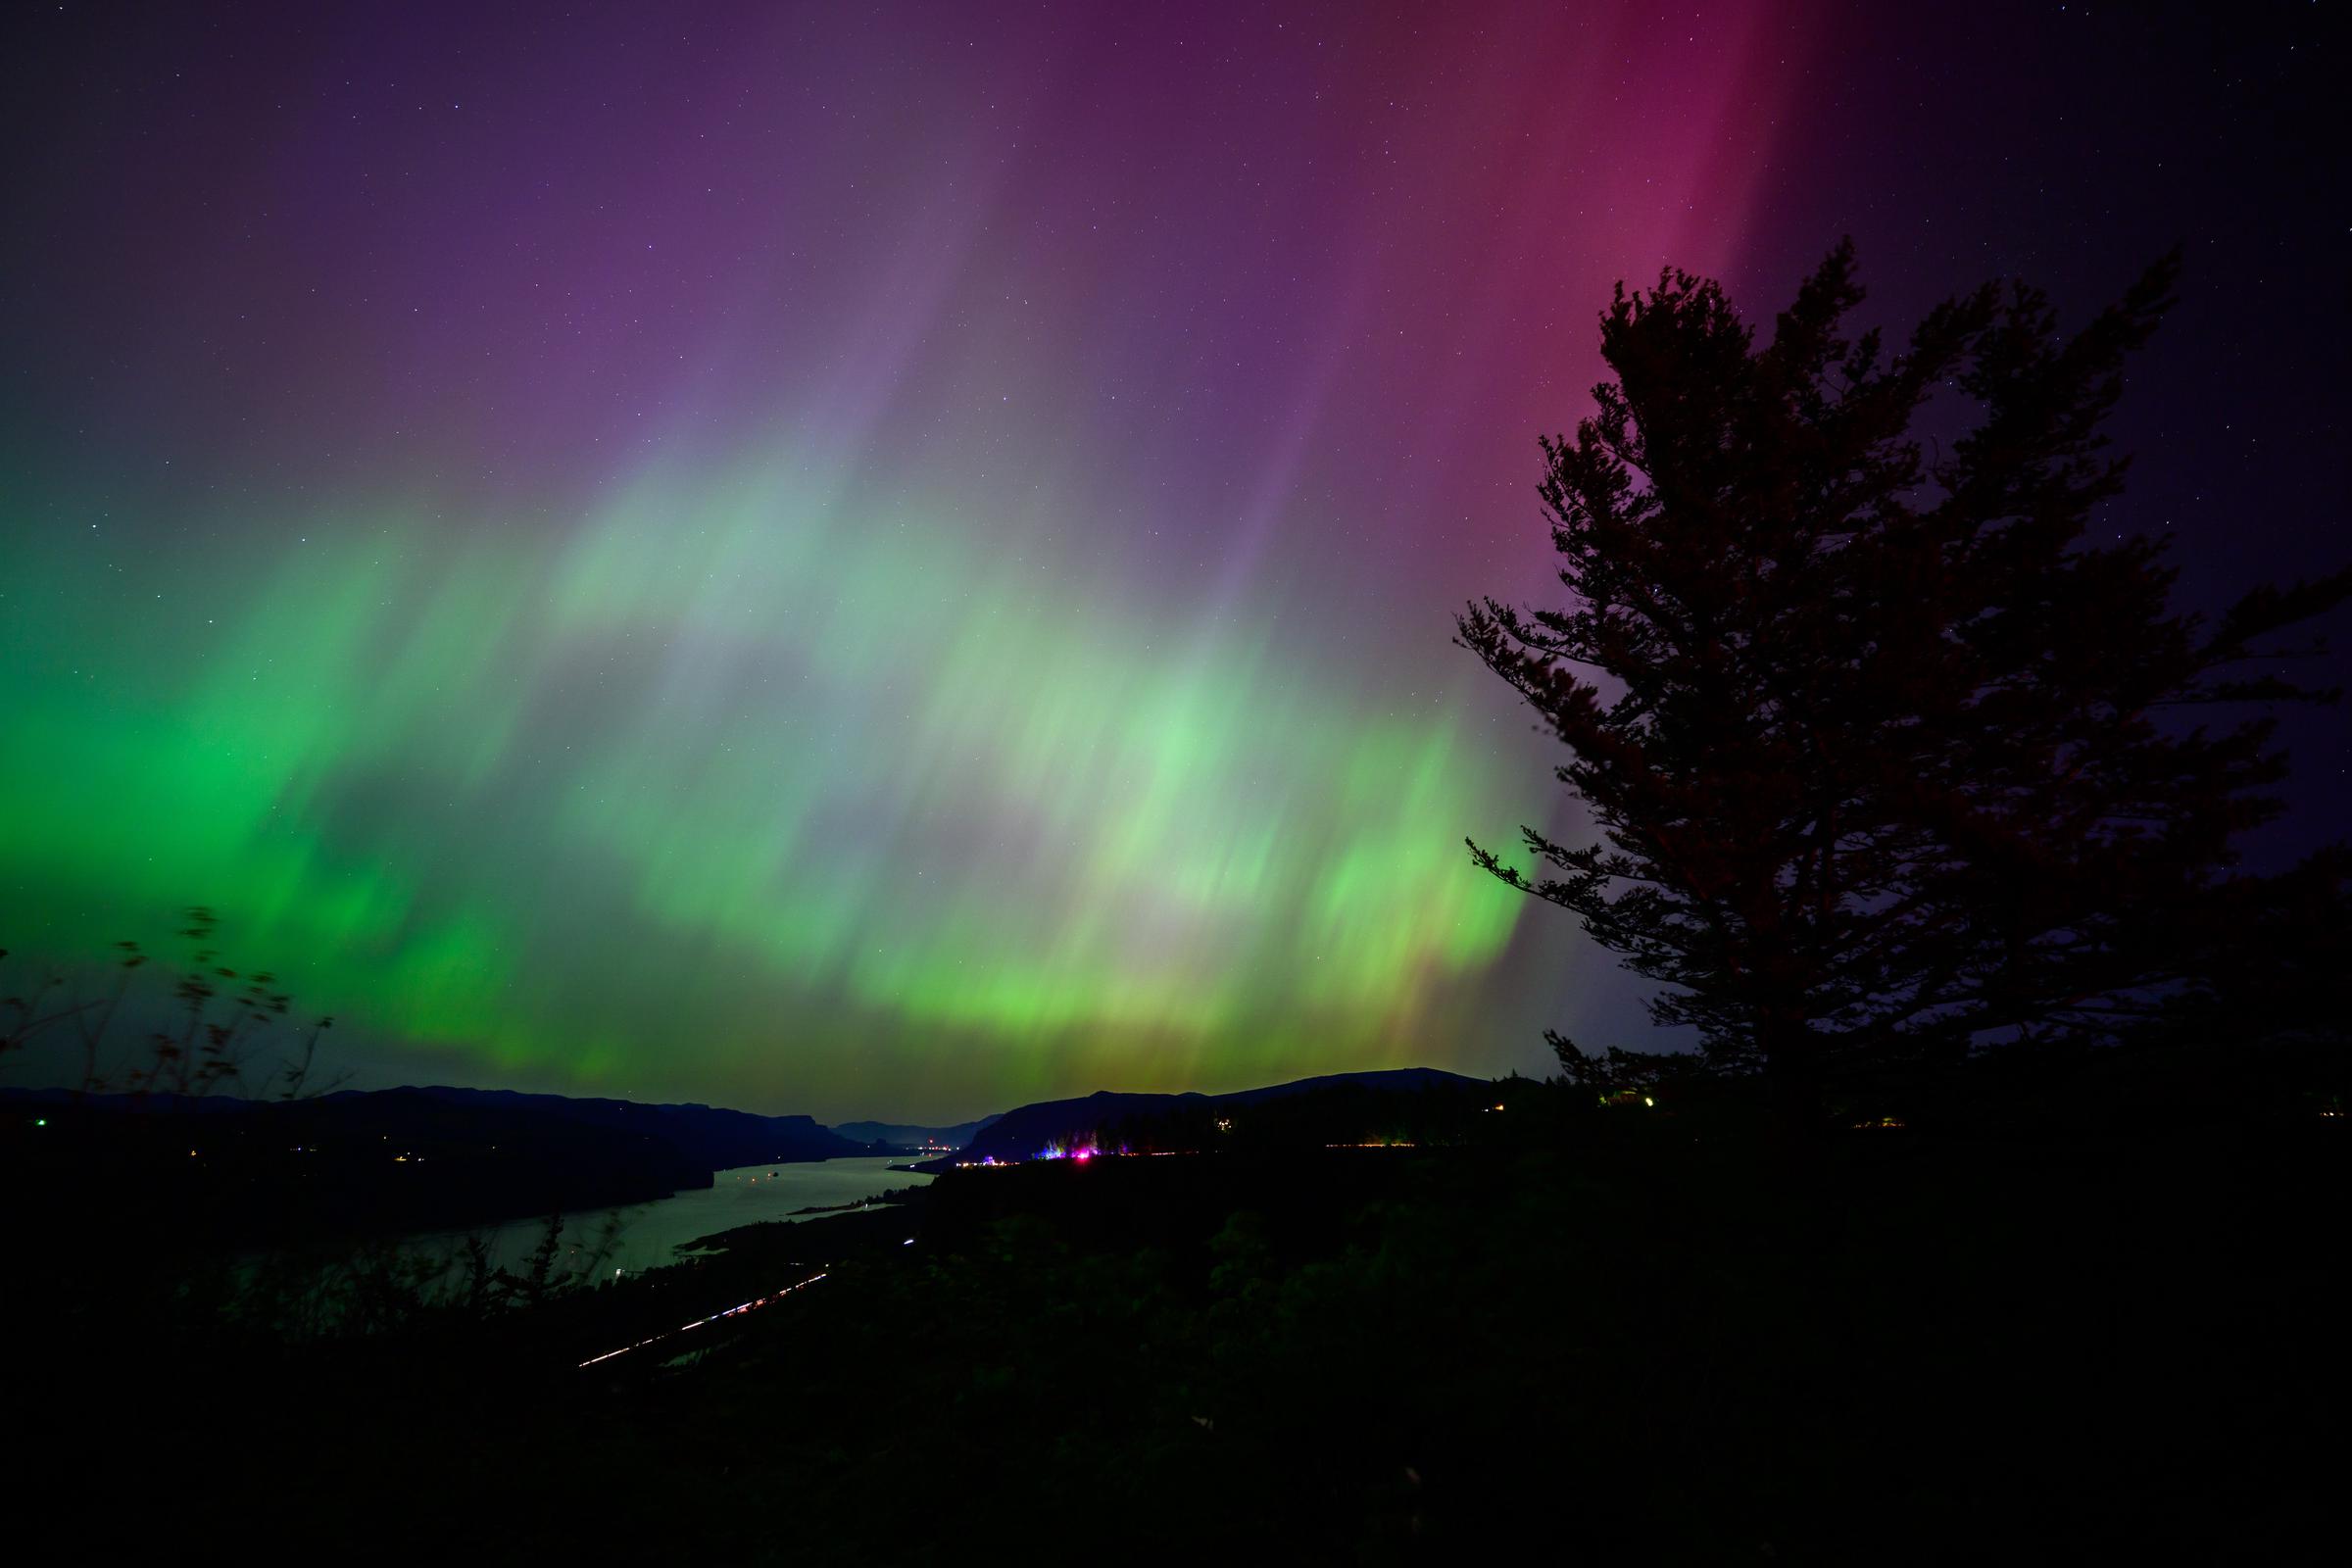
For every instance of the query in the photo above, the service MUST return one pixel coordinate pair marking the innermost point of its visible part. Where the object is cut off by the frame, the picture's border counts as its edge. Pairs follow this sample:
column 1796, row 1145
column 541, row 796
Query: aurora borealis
column 891, row 561
column 697, row 760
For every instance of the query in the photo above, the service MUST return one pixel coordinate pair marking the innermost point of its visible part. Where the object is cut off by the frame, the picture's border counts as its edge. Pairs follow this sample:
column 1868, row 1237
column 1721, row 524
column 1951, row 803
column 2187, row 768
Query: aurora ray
column 819, row 565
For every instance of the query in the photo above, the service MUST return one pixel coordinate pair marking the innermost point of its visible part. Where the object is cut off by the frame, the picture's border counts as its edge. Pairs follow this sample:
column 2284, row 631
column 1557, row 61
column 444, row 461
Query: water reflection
column 650, row 1235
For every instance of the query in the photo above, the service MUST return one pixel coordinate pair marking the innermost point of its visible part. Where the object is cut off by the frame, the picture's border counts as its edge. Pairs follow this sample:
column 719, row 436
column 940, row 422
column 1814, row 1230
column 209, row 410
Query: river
column 650, row 1235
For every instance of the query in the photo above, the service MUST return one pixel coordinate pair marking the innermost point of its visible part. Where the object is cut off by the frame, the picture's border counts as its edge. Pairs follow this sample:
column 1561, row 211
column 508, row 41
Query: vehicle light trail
column 747, row 1306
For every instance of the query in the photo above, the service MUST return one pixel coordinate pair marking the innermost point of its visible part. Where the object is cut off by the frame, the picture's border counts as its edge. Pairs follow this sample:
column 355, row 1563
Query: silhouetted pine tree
column 1874, row 739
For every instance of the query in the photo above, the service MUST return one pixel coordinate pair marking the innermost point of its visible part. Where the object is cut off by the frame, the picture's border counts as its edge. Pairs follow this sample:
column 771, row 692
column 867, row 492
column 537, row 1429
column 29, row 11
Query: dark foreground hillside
column 1644, row 1336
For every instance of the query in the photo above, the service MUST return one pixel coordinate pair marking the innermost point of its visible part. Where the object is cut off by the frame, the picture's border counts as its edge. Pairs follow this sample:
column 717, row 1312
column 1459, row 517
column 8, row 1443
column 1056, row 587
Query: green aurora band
column 739, row 787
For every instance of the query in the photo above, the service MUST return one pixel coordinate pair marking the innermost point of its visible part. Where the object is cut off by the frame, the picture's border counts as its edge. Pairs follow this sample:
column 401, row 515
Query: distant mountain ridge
column 1025, row 1132
column 711, row 1137
column 387, row 1160
column 909, row 1136
column 705, row 1138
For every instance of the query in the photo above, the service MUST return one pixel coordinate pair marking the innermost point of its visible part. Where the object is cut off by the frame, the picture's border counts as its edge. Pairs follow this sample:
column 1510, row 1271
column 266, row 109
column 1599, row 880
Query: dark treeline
column 2080, row 1292
column 1636, row 1331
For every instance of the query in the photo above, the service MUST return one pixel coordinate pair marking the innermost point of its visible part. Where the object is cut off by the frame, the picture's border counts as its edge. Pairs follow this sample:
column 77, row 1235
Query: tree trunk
column 1792, row 1069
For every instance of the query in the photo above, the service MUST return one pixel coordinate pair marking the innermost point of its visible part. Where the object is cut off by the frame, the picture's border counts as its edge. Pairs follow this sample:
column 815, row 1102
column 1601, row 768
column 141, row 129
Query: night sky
column 895, row 559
